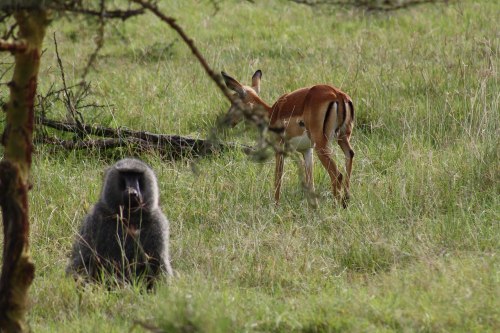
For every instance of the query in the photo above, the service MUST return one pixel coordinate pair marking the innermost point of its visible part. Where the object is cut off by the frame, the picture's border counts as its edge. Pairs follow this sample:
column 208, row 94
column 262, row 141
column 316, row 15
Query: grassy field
column 416, row 251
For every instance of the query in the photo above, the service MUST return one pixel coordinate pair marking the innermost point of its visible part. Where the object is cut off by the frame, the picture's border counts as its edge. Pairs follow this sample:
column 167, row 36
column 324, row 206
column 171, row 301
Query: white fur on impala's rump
column 348, row 119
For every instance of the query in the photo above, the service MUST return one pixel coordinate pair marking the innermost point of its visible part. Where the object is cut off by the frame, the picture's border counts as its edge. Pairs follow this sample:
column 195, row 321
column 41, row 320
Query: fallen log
column 175, row 145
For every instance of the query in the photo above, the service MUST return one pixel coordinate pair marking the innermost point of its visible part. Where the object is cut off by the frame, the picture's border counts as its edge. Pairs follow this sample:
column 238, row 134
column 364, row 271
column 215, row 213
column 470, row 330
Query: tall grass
column 417, row 250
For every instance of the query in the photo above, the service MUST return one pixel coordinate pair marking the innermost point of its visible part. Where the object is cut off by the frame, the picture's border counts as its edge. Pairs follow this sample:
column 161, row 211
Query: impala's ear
column 256, row 81
column 234, row 85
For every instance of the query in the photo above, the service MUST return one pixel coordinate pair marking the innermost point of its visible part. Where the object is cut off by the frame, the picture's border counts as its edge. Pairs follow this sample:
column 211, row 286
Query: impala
column 309, row 118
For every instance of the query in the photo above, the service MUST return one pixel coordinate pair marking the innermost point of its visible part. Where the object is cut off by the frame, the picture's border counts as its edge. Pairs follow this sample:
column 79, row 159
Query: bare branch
column 71, row 7
column 68, row 101
column 13, row 46
column 175, row 143
column 318, row 2
column 368, row 5
column 177, row 150
column 107, row 14
column 95, row 144
column 99, row 41
column 110, row 132
column 9, row 31
column 258, row 117
column 403, row 5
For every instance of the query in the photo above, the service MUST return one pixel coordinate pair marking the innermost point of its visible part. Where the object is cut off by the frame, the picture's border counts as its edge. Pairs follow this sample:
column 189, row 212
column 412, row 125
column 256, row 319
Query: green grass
column 416, row 251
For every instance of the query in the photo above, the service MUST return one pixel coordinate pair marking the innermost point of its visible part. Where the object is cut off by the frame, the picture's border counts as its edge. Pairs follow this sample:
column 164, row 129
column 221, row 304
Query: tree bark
column 17, row 268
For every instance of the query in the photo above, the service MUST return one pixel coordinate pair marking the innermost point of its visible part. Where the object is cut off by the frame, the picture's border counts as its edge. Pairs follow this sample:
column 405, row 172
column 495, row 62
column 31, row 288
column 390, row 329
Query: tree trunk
column 17, row 267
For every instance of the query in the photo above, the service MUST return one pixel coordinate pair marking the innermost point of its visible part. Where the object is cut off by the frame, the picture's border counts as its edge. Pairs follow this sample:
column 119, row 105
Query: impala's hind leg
column 349, row 155
column 309, row 179
column 325, row 156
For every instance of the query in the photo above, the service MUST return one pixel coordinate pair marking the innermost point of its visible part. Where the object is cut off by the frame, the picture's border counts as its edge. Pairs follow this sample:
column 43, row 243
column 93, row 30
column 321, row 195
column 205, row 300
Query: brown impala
column 310, row 117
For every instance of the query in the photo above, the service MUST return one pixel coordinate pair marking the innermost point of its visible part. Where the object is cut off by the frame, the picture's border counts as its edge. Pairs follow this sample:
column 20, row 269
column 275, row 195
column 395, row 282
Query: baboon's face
column 130, row 184
column 130, row 187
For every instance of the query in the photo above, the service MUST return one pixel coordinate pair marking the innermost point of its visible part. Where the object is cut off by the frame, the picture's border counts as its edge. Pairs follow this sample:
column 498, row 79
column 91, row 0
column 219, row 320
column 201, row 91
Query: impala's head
column 249, row 95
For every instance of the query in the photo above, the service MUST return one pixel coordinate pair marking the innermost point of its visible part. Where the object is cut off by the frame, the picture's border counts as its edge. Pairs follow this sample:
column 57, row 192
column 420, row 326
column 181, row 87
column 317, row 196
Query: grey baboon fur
column 125, row 235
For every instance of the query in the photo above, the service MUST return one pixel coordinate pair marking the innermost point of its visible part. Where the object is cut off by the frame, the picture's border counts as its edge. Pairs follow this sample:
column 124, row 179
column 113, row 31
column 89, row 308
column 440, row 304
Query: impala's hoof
column 345, row 200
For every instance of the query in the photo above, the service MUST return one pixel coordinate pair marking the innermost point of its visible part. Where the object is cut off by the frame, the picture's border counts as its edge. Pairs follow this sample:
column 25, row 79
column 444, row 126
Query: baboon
column 125, row 235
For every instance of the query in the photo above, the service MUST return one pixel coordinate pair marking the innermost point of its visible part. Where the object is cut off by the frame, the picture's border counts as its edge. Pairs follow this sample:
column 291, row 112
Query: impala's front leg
column 278, row 176
column 308, row 167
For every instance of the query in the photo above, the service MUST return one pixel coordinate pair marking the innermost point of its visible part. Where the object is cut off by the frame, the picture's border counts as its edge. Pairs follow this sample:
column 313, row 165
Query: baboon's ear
column 234, row 85
column 256, row 81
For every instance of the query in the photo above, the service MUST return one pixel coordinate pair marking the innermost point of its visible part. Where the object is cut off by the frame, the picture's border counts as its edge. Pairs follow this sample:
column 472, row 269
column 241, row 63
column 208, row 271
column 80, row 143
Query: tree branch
column 368, row 5
column 95, row 144
column 71, row 7
column 70, row 105
column 123, row 137
column 107, row 14
column 177, row 146
column 9, row 32
column 99, row 41
column 13, row 46
column 258, row 116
